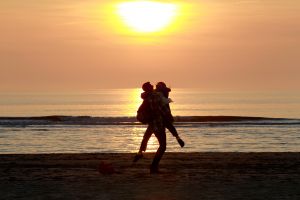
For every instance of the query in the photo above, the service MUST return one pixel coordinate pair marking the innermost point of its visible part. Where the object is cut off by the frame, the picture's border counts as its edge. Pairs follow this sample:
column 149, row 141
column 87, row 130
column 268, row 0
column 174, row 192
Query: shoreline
column 207, row 175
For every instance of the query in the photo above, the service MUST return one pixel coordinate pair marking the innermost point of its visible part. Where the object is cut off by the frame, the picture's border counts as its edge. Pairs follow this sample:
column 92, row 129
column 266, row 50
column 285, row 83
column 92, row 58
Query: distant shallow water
column 103, row 121
column 208, row 137
column 124, row 102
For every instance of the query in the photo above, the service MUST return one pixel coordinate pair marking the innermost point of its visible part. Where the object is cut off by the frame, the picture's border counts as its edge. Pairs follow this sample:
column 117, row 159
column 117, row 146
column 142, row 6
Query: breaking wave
column 179, row 120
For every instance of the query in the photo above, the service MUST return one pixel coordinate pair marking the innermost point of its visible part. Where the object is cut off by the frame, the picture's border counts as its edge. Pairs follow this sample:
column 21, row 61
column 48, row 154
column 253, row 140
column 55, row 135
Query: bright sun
column 147, row 16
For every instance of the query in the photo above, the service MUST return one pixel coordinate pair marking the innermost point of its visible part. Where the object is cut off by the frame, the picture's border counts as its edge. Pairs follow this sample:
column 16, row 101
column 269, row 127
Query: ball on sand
column 106, row 167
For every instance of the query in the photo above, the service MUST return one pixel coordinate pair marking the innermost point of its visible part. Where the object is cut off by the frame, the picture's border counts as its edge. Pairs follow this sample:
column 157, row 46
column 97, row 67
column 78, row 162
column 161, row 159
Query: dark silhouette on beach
column 155, row 111
column 169, row 119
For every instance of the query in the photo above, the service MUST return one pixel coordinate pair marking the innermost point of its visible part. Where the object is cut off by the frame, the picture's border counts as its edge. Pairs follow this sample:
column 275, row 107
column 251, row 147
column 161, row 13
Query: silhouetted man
column 160, row 112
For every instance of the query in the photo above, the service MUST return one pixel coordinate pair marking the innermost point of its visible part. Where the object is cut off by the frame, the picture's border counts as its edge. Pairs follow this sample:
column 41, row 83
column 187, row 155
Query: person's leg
column 144, row 142
column 161, row 137
column 146, row 138
column 173, row 130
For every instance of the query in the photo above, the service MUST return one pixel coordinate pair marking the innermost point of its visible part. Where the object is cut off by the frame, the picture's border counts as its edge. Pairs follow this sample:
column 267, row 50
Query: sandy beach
column 183, row 176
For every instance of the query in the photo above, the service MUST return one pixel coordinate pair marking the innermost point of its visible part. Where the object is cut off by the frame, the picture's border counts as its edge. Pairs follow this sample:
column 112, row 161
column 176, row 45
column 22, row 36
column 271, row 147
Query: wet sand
column 183, row 176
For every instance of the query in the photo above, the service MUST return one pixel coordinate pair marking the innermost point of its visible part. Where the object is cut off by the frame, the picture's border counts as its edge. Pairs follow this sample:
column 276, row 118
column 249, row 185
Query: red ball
column 106, row 168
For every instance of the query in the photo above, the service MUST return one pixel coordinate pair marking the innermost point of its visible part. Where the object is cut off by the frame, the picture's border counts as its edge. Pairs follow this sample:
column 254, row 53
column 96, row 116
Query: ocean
column 104, row 121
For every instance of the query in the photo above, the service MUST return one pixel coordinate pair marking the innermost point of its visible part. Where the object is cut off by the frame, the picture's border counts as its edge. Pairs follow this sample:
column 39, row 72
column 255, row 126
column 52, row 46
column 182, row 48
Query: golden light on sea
column 134, row 99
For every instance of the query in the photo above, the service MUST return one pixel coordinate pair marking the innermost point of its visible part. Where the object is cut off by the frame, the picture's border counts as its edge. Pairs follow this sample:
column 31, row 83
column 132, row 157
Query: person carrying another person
column 155, row 112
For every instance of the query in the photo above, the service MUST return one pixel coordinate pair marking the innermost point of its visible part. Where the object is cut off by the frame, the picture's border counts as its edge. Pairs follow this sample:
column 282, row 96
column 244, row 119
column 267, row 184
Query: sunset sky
column 211, row 45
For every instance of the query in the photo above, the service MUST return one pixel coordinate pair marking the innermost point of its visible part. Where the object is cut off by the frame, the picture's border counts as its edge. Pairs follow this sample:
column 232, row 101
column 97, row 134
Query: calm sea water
column 41, row 136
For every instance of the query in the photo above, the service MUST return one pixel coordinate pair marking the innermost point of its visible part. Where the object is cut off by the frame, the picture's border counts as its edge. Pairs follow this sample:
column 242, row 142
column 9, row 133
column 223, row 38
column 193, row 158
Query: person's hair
column 147, row 87
column 161, row 86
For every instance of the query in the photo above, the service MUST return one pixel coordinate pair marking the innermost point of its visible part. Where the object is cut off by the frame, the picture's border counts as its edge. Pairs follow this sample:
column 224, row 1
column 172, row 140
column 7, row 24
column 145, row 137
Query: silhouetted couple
column 155, row 111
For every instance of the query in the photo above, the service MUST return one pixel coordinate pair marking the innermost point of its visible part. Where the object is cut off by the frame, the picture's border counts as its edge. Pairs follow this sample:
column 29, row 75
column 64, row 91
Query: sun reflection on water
column 133, row 101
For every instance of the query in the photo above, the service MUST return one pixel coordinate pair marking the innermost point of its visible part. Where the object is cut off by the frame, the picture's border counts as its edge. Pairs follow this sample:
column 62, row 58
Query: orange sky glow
column 211, row 45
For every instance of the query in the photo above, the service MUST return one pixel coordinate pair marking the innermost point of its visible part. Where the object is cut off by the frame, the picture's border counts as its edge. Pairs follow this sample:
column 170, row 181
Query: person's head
column 162, row 87
column 147, row 87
